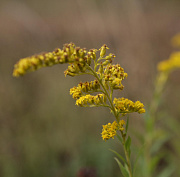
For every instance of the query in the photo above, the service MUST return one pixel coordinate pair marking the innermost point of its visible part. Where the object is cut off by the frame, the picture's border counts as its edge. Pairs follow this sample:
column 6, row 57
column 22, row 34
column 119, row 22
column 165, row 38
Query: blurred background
column 42, row 132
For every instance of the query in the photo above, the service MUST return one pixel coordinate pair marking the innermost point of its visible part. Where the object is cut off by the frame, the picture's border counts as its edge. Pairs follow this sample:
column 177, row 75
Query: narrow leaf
column 128, row 145
column 119, row 138
column 119, row 156
column 137, row 158
column 124, row 171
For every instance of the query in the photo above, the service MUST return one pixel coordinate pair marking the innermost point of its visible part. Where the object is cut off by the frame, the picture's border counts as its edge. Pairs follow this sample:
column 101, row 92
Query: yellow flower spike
column 69, row 54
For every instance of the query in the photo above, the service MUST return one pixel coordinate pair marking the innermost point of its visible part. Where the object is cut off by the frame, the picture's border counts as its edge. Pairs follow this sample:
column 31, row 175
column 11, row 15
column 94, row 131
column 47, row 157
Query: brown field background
column 42, row 132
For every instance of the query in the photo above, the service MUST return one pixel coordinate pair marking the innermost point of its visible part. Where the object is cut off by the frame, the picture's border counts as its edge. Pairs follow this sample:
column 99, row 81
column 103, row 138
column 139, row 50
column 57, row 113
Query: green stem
column 106, row 93
column 151, row 118
column 126, row 154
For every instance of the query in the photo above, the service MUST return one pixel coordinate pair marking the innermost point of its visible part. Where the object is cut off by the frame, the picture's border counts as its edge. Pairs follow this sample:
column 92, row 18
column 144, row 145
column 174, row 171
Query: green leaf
column 120, row 157
column 128, row 145
column 124, row 171
column 137, row 158
column 119, row 138
column 127, row 124
column 126, row 167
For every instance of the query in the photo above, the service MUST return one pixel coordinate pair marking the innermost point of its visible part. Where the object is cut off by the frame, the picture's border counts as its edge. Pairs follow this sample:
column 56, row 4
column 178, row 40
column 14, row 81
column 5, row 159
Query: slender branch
column 109, row 99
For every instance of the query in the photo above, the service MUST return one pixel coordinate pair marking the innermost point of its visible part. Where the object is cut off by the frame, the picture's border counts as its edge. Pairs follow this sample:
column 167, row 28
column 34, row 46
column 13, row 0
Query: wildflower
column 108, row 76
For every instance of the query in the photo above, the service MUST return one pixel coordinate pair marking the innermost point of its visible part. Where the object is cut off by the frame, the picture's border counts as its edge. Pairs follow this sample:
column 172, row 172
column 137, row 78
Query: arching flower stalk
column 99, row 92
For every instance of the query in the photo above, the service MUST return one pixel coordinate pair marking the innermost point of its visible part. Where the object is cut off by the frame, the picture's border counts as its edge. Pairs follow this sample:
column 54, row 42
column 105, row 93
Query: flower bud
column 96, row 85
column 106, row 62
column 101, row 69
column 110, row 56
column 103, row 50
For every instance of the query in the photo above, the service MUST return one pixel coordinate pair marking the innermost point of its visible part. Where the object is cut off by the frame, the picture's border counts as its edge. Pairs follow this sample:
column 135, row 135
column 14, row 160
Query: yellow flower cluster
column 124, row 106
column 86, row 87
column 91, row 100
column 114, row 74
column 108, row 78
column 76, row 56
column 110, row 130
column 171, row 64
column 176, row 40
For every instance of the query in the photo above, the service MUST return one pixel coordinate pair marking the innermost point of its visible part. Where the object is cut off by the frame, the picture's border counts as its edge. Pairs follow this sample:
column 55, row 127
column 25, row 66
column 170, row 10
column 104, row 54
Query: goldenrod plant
column 96, row 93
column 155, row 137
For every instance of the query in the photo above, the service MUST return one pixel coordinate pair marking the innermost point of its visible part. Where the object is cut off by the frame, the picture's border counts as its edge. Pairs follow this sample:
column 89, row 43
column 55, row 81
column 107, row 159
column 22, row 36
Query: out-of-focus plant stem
column 150, row 119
